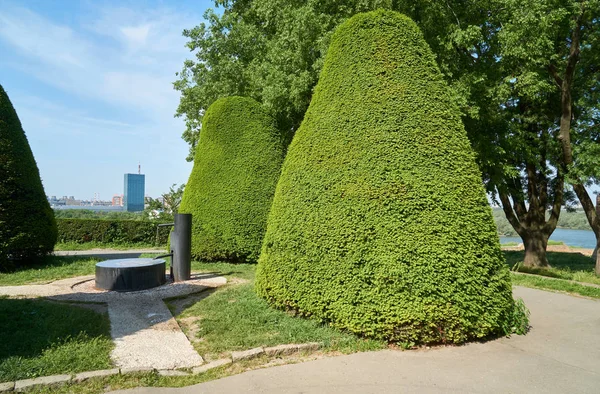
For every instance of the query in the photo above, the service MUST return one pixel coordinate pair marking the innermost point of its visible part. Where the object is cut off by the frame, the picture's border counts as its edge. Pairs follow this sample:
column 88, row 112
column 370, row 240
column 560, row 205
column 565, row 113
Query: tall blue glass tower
column 133, row 193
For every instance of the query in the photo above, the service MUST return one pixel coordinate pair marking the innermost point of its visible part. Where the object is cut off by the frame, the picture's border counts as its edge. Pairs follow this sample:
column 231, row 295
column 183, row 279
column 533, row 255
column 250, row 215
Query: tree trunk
column 535, row 243
column 596, row 257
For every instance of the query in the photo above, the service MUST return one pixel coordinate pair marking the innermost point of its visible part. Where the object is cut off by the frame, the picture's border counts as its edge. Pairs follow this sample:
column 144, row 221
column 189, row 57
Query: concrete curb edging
column 54, row 380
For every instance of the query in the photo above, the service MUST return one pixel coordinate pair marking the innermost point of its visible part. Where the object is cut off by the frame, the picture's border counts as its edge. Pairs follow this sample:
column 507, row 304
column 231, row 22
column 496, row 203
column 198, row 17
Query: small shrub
column 518, row 321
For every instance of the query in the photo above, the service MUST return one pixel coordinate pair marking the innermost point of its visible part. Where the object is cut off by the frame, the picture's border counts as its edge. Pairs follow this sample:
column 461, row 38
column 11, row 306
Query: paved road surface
column 561, row 354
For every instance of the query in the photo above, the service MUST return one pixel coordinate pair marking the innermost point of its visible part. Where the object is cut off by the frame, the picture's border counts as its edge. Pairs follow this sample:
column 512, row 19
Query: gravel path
column 145, row 333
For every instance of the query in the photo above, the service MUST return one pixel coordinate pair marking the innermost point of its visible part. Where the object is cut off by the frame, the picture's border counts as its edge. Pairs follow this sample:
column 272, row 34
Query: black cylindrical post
column 181, row 247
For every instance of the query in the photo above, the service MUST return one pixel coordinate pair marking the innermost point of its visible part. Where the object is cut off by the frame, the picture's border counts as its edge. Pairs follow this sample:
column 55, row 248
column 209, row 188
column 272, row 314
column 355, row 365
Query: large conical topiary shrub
column 27, row 225
column 236, row 167
column 380, row 224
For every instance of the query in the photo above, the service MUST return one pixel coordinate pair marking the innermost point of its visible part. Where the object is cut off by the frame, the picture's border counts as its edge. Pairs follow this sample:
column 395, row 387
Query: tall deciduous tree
column 556, row 44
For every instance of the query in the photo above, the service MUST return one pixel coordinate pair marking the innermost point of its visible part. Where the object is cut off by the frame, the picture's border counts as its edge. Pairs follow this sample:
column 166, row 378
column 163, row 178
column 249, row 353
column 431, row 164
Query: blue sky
column 91, row 82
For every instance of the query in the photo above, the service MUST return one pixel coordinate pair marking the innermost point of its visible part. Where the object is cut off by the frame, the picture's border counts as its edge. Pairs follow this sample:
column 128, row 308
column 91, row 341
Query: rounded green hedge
column 230, row 190
column 112, row 231
column 27, row 225
column 380, row 224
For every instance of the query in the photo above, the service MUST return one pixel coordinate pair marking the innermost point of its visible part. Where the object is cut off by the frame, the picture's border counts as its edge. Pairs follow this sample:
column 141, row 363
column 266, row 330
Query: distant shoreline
column 555, row 248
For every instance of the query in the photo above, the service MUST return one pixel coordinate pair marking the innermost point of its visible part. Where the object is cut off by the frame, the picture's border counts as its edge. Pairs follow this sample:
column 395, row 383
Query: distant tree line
column 568, row 220
column 90, row 214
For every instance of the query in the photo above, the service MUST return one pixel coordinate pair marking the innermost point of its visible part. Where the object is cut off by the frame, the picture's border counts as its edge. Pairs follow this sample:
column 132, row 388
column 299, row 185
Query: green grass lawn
column 51, row 268
column 40, row 338
column 540, row 282
column 240, row 271
column 235, row 318
column 570, row 266
column 563, row 266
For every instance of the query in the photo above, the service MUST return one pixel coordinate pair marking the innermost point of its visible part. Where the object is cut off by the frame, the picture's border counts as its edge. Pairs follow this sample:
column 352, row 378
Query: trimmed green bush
column 27, row 226
column 111, row 231
column 229, row 193
column 380, row 224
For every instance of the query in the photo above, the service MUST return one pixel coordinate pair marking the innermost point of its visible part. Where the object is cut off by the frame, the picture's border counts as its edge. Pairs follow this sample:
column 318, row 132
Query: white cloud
column 136, row 35
column 82, row 60
column 34, row 37
column 114, row 72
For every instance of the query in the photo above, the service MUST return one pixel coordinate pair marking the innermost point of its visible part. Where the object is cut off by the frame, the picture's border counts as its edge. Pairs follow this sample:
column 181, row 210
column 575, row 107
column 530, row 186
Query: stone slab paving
column 146, row 335
column 144, row 332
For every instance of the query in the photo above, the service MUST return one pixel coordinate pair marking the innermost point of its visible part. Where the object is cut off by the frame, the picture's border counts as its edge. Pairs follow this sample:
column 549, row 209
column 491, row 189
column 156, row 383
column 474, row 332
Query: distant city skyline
column 92, row 85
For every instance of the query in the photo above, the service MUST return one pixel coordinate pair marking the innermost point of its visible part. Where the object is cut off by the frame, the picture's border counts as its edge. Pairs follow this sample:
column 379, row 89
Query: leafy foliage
column 231, row 187
column 273, row 51
column 545, row 52
column 570, row 220
column 27, row 226
column 380, row 223
column 111, row 231
column 168, row 204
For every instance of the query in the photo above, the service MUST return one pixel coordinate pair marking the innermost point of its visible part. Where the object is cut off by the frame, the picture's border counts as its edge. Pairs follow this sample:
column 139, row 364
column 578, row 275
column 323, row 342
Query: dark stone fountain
column 130, row 274
column 146, row 273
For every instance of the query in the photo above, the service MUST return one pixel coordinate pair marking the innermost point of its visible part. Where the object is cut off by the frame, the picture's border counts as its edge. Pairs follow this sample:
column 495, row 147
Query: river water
column 578, row 238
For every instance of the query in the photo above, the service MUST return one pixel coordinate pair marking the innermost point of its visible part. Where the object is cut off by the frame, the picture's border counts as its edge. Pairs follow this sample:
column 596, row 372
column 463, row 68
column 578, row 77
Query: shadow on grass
column 43, row 338
column 558, row 260
column 568, row 266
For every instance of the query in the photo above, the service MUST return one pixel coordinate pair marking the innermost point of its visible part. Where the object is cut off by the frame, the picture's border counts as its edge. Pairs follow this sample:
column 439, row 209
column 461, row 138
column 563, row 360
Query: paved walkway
column 109, row 253
column 561, row 354
column 145, row 333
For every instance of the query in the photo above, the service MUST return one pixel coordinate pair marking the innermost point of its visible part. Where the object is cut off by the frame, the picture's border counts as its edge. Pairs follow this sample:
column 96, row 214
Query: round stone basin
column 130, row 274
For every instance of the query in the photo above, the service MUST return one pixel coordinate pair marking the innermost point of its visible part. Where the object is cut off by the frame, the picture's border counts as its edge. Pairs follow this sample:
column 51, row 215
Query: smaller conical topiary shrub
column 230, row 190
column 380, row 224
column 27, row 225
